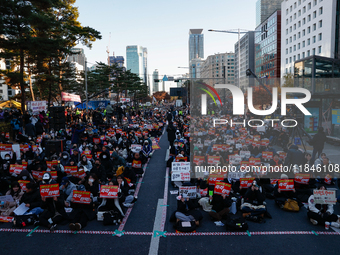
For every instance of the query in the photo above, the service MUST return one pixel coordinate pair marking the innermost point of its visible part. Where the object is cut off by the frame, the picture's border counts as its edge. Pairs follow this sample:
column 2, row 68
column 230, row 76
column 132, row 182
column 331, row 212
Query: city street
column 286, row 230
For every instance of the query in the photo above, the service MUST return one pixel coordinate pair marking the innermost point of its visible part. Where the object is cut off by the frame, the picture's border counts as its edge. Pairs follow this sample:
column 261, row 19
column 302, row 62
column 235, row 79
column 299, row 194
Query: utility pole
column 87, row 103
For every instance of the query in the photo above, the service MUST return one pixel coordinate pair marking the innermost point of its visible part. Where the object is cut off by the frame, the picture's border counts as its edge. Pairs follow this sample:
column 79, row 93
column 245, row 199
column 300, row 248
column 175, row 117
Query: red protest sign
column 215, row 177
column 108, row 191
column 24, row 165
column 37, row 175
column 267, row 155
column 256, row 143
column 265, row 142
column 102, row 137
column 5, row 147
column 328, row 179
column 7, row 135
column 96, row 140
column 81, row 197
column 302, row 178
column 254, row 161
column 53, row 174
column 6, row 219
column 213, row 160
column 39, row 139
column 23, row 184
column 286, row 185
column 49, row 190
column 51, row 163
column 80, row 174
column 222, row 188
column 24, row 148
column 15, row 168
column 246, row 182
column 86, row 152
column 218, row 147
column 138, row 133
column 178, row 159
column 199, row 160
column 273, row 181
column 71, row 169
column 249, row 141
column 244, row 164
column 282, row 155
column 110, row 134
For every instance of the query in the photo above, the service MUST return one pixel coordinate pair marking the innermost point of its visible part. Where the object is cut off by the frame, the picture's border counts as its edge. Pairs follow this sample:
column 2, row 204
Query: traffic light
column 156, row 80
column 177, row 80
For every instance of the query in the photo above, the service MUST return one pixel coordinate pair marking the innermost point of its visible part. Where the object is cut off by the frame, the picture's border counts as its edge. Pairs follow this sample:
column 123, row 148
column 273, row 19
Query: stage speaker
column 57, row 117
column 54, row 147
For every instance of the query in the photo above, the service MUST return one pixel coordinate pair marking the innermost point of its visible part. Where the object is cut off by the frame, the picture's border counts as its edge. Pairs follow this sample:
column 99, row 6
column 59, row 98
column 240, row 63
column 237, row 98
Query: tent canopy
column 10, row 104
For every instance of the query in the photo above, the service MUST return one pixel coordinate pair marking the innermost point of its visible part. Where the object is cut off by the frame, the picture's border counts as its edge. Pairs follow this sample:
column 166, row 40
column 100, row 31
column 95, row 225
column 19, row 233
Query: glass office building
column 196, row 47
column 136, row 61
column 268, row 47
column 321, row 76
column 264, row 8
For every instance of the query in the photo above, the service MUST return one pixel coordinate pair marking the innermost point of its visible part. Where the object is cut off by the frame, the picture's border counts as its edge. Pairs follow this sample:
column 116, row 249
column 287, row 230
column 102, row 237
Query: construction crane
column 108, row 50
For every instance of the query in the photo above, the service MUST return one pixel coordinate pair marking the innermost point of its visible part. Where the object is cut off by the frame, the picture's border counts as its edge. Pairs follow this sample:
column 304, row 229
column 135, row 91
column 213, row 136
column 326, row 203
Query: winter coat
column 33, row 199
column 30, row 130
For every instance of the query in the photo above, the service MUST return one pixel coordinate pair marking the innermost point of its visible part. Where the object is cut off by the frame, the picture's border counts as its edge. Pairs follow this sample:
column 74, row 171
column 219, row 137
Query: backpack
column 185, row 226
column 111, row 218
column 291, row 205
column 237, row 224
column 21, row 221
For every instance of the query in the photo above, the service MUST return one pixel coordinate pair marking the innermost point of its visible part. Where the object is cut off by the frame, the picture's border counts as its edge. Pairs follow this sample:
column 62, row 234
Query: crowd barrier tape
column 131, row 233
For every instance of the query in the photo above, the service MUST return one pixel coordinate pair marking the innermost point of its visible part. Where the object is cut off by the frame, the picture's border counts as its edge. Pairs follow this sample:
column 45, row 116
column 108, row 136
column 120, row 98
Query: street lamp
column 239, row 32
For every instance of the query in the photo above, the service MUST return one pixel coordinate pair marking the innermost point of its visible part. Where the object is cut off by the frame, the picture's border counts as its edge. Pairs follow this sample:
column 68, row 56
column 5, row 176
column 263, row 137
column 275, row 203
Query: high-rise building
column 264, row 8
column 219, row 69
column 308, row 28
column 77, row 56
column 155, row 87
column 145, row 66
column 118, row 60
column 247, row 59
column 196, row 47
column 195, row 67
column 136, row 61
column 268, row 47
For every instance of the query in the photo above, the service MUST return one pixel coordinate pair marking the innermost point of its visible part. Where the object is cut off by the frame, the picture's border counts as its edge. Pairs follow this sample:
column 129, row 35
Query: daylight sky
column 163, row 28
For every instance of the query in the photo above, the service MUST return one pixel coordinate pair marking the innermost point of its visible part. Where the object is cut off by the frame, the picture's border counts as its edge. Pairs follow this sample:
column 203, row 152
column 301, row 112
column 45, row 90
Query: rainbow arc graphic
column 205, row 89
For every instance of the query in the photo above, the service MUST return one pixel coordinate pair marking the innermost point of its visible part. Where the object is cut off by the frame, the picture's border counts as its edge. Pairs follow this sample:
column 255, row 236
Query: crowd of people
column 98, row 149
column 110, row 146
column 268, row 154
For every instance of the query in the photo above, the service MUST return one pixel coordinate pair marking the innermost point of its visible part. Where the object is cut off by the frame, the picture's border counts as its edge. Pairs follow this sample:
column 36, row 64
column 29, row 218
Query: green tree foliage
column 38, row 35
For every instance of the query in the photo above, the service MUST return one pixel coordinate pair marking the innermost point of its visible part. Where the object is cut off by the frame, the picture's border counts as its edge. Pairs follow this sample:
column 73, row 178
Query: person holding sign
column 318, row 214
column 32, row 199
column 253, row 208
column 7, row 207
column 82, row 204
column 220, row 207
column 186, row 210
column 53, row 213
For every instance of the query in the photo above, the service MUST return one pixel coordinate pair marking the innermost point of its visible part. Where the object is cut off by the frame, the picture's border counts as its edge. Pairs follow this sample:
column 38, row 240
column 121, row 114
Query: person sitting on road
column 220, row 207
column 85, row 163
column 32, row 199
column 8, row 207
column 321, row 213
column 186, row 211
column 253, row 207
column 81, row 213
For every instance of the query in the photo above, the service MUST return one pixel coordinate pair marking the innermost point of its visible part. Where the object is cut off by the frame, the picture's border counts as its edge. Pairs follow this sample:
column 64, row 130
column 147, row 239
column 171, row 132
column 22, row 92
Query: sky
column 163, row 28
